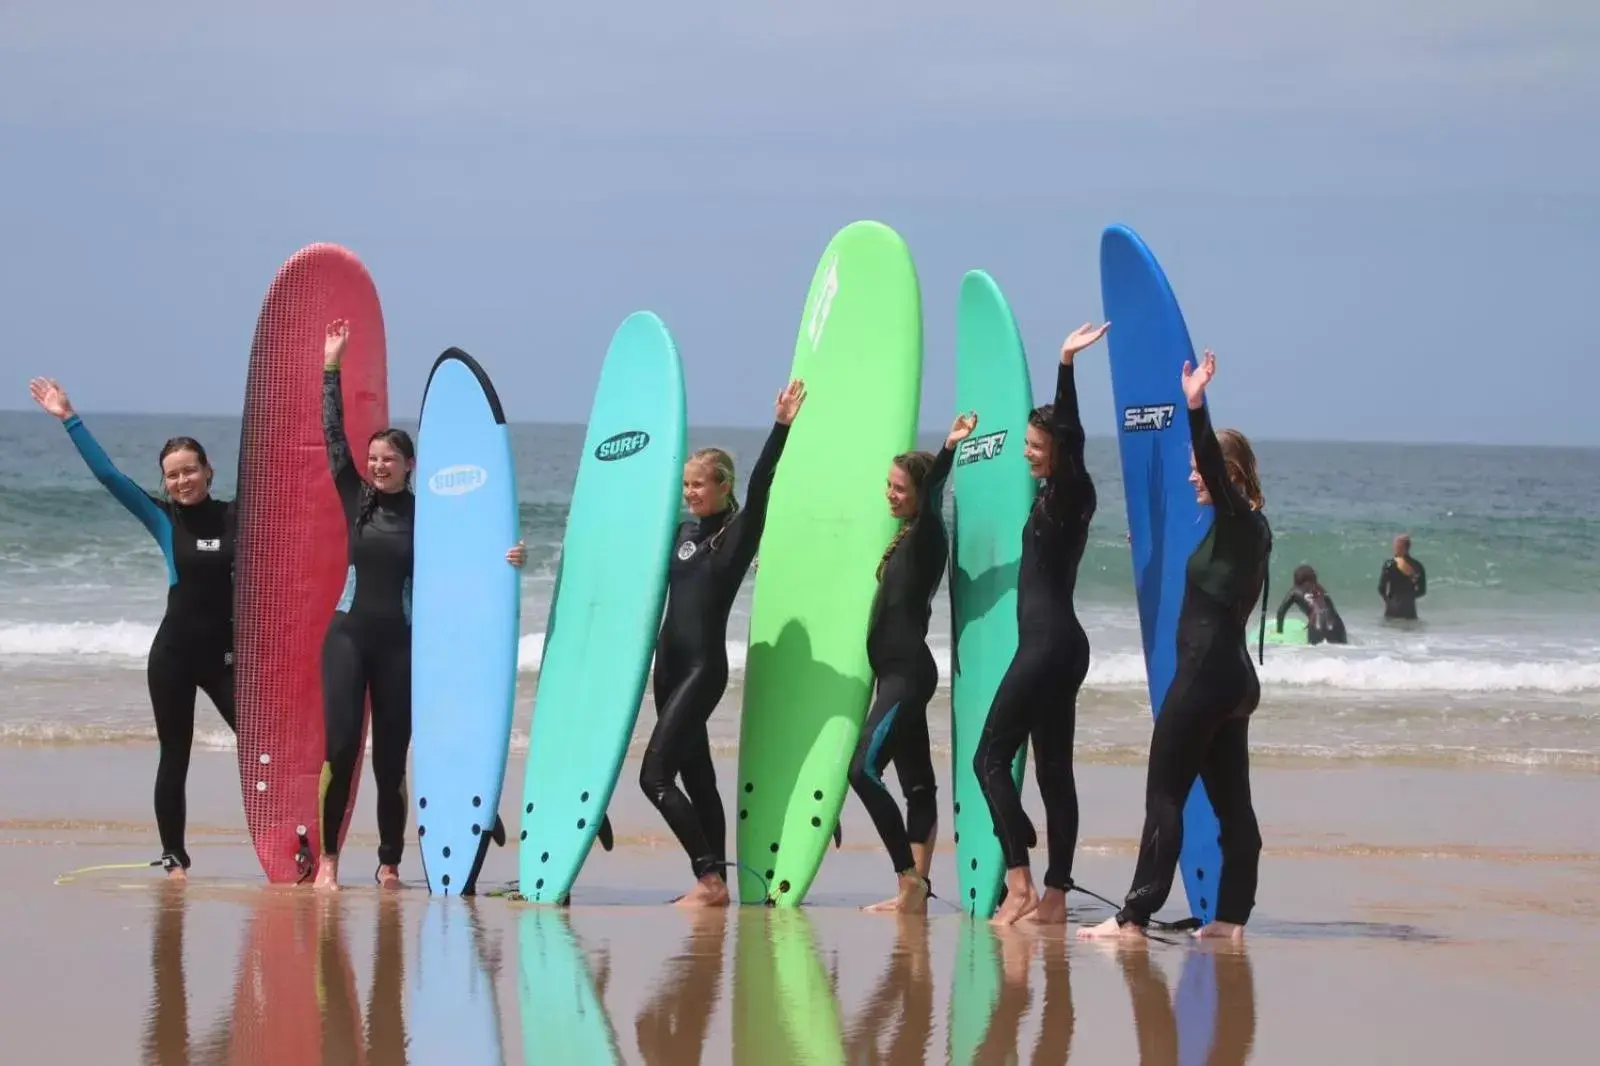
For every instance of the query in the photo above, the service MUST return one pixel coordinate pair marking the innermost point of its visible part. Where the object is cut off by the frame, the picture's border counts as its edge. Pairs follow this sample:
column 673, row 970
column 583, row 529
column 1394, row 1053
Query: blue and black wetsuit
column 193, row 648
column 896, row 727
column 368, row 645
column 1038, row 697
column 691, row 667
column 1203, row 727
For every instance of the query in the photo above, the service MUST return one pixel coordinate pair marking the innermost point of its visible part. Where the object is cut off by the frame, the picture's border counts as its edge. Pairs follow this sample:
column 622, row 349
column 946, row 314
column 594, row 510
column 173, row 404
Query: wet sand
column 1405, row 915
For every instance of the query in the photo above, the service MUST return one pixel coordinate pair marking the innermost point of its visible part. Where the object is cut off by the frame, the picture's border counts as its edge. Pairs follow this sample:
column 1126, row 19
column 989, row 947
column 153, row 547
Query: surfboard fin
column 498, row 833
column 607, row 841
column 838, row 835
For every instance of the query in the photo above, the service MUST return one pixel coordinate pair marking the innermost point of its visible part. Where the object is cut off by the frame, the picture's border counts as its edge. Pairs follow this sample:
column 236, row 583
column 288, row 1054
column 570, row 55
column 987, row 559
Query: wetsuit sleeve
column 345, row 478
column 1069, row 477
column 1422, row 579
column 1384, row 578
column 929, row 525
column 1213, row 468
column 1283, row 608
column 139, row 503
column 744, row 532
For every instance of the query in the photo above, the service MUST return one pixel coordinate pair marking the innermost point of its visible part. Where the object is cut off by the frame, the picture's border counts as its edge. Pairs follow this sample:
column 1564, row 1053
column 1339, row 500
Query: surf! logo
column 457, row 480
column 1152, row 416
column 621, row 445
column 824, row 305
column 977, row 449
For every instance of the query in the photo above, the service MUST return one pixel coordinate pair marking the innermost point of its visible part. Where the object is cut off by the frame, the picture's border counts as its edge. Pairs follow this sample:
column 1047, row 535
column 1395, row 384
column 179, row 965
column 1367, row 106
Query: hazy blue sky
column 1383, row 214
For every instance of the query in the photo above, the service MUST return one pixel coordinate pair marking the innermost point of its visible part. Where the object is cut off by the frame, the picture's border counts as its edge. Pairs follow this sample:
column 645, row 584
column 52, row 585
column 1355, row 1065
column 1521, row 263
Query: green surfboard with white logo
column 993, row 494
column 606, row 609
column 807, row 682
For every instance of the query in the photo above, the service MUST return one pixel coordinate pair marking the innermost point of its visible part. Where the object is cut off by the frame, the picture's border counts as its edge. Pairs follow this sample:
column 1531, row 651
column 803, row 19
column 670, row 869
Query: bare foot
column 327, row 874
column 1220, row 931
column 388, row 877
column 912, row 898
column 177, row 875
column 709, row 891
column 1052, row 909
column 1109, row 929
column 888, row 906
column 1021, row 897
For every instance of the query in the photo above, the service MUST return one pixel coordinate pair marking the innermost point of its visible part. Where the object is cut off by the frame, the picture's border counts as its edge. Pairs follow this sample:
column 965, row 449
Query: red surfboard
column 291, row 544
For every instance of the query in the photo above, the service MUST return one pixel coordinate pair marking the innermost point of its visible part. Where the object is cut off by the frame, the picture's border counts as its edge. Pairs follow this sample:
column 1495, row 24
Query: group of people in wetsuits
column 1201, row 730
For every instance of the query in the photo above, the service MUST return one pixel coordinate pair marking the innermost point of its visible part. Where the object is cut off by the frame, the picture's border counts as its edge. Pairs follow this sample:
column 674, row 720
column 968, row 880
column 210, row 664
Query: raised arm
column 345, row 477
column 1208, row 459
column 1068, row 488
column 139, row 503
column 744, row 532
column 927, row 529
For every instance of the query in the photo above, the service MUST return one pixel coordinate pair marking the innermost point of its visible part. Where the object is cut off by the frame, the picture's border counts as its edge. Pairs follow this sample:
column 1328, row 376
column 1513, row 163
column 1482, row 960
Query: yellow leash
column 71, row 874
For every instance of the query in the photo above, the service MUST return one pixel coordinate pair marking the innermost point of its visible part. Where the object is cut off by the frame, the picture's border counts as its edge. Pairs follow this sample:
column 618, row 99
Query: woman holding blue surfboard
column 1203, row 727
column 1038, row 697
column 368, row 644
column 713, row 552
column 896, row 727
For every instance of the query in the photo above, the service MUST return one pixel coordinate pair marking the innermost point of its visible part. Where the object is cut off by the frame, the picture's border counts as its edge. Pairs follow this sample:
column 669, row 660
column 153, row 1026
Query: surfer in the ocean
column 896, row 728
column 1038, row 697
column 1323, row 623
column 710, row 556
column 1203, row 727
column 193, row 648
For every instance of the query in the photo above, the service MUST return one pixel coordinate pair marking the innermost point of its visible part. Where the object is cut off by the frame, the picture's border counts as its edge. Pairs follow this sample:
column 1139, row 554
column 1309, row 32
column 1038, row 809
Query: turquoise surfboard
column 454, row 1011
column 1149, row 345
column 993, row 494
column 606, row 609
column 465, row 609
column 1294, row 631
column 564, row 1018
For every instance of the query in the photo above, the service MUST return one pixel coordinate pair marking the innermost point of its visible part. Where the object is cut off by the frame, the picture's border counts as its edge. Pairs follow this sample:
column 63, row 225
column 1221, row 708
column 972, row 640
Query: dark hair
column 1039, row 417
column 1306, row 576
column 172, row 447
column 400, row 441
column 915, row 465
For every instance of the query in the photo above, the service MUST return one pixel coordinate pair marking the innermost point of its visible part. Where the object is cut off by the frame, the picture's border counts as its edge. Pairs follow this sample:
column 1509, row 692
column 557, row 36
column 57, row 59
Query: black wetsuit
column 896, row 727
column 709, row 561
column 1322, row 617
column 1203, row 726
column 1038, row 696
column 193, row 648
column 1401, row 591
column 368, row 644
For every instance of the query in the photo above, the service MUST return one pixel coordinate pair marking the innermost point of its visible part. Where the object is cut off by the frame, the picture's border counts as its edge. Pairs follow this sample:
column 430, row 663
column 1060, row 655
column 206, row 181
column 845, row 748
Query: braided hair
column 722, row 472
column 915, row 466
column 400, row 441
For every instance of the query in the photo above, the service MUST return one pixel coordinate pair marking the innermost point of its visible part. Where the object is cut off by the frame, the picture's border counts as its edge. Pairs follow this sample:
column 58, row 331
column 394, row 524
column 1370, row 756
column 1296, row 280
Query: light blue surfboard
column 607, row 604
column 1149, row 345
column 454, row 1012
column 465, row 608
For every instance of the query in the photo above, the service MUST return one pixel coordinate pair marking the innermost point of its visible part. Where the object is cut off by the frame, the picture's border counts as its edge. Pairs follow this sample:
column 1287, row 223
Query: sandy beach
column 1406, row 914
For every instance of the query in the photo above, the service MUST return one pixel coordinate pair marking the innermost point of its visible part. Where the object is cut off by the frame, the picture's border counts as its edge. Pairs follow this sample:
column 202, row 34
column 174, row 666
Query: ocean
column 1503, row 668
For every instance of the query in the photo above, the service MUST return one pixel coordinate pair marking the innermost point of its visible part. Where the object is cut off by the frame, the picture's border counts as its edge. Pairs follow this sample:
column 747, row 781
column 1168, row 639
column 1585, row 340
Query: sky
column 1382, row 216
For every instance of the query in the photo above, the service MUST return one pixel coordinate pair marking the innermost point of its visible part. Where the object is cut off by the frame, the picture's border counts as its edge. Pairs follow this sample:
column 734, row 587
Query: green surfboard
column 1294, row 631
column 807, row 682
column 993, row 493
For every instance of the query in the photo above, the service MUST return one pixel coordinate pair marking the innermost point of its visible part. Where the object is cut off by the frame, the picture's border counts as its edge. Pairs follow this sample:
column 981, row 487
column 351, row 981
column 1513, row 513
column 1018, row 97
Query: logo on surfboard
column 1147, row 417
column 621, row 445
column 824, row 305
column 457, row 480
column 977, row 449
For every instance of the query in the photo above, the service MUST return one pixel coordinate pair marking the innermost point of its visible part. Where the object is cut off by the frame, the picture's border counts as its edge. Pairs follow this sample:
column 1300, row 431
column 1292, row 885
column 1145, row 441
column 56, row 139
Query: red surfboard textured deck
column 292, row 551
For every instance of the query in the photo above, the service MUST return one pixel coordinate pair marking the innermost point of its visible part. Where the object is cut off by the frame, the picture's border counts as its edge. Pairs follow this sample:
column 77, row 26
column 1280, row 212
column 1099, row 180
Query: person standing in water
column 368, row 643
column 1038, row 696
column 714, row 549
column 896, row 728
column 193, row 646
column 1402, row 582
column 1203, row 726
column 1323, row 623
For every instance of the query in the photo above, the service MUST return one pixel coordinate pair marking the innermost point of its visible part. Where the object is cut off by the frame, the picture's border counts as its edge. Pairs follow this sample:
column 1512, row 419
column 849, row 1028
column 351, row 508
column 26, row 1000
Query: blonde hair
column 916, row 466
column 721, row 465
column 1241, row 462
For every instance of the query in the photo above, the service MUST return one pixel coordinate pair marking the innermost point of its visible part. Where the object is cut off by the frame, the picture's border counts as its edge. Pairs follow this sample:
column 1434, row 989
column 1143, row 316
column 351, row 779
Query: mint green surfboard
column 563, row 1016
column 1294, row 631
column 807, row 682
column 785, row 1007
column 993, row 494
column 607, row 604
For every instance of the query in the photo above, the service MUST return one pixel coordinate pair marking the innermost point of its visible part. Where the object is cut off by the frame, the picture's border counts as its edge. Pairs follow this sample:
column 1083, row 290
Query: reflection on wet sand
column 672, row 1026
column 784, row 1003
column 901, row 1004
column 1214, row 1020
column 563, row 1000
column 993, row 990
column 453, row 1011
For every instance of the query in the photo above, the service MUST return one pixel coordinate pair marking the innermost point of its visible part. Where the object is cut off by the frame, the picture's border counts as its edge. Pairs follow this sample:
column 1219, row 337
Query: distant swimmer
column 896, row 727
column 1402, row 582
column 1323, row 623
column 1038, row 697
column 1202, row 729
column 367, row 649
column 193, row 647
column 709, row 560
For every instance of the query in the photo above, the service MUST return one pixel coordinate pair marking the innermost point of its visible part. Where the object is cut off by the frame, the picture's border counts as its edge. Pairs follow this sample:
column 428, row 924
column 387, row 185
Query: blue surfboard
column 1149, row 345
column 466, row 602
column 454, row 1013
column 606, row 609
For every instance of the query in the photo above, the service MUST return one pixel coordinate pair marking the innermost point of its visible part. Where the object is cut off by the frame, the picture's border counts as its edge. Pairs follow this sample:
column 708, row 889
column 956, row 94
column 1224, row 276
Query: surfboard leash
column 71, row 875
